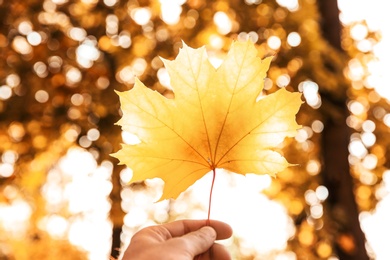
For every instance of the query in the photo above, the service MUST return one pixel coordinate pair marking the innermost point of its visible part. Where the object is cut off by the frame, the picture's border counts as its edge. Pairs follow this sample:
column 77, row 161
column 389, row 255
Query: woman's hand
column 180, row 240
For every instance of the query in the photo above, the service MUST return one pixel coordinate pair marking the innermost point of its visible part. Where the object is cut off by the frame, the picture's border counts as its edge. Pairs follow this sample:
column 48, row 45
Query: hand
column 180, row 240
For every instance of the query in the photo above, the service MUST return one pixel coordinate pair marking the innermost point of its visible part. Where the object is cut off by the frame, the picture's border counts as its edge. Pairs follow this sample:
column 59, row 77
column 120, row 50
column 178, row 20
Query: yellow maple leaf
column 214, row 120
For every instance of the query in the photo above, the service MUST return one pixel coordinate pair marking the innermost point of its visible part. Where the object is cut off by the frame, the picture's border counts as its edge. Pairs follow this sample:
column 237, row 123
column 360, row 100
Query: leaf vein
column 250, row 131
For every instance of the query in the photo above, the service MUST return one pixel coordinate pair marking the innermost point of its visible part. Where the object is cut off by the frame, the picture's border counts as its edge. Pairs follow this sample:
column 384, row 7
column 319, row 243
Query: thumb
column 199, row 241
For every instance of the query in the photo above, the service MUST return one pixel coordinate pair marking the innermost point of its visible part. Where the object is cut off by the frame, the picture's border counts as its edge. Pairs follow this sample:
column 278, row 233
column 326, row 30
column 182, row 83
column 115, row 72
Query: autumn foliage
column 217, row 119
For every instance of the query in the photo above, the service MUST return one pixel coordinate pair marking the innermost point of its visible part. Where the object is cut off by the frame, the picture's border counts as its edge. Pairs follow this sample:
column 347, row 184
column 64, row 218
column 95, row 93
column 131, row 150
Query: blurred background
column 63, row 197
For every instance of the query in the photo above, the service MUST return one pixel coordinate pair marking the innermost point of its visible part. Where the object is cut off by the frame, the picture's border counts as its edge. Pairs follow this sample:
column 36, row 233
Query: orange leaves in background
column 216, row 120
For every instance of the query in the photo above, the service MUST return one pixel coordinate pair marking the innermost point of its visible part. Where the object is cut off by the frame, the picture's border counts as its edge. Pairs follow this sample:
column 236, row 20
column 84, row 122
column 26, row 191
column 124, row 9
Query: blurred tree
column 336, row 175
column 61, row 60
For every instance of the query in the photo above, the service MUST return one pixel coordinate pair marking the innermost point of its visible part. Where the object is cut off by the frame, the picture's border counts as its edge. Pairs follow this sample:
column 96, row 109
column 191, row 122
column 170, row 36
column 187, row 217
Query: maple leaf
column 214, row 121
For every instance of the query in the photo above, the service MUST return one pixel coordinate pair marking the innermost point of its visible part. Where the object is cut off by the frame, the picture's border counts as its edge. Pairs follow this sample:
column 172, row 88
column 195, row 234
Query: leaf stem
column 210, row 252
column 211, row 194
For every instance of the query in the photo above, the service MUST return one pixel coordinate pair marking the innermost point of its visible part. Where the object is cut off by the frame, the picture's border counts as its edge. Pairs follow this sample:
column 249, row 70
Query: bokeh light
column 62, row 61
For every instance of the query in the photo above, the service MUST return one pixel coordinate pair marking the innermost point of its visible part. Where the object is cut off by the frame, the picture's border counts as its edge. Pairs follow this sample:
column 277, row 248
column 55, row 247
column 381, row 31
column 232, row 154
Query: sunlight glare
column 294, row 39
column 21, row 45
column 34, row 38
column 357, row 148
column 87, row 53
column 129, row 138
column 291, row 5
column 223, row 22
column 370, row 18
column 15, row 217
column 235, row 195
column 375, row 226
column 86, row 192
column 274, row 42
column 310, row 92
column 5, row 92
column 141, row 15
column 359, row 32
column 171, row 10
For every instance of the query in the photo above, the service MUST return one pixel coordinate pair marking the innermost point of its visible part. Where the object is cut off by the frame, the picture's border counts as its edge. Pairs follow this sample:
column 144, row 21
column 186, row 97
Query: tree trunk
column 350, row 239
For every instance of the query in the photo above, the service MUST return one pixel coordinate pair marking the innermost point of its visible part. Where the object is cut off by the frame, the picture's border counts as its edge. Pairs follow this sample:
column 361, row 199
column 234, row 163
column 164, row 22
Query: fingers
column 182, row 227
column 197, row 238
column 216, row 252
column 223, row 229
column 183, row 238
column 196, row 242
